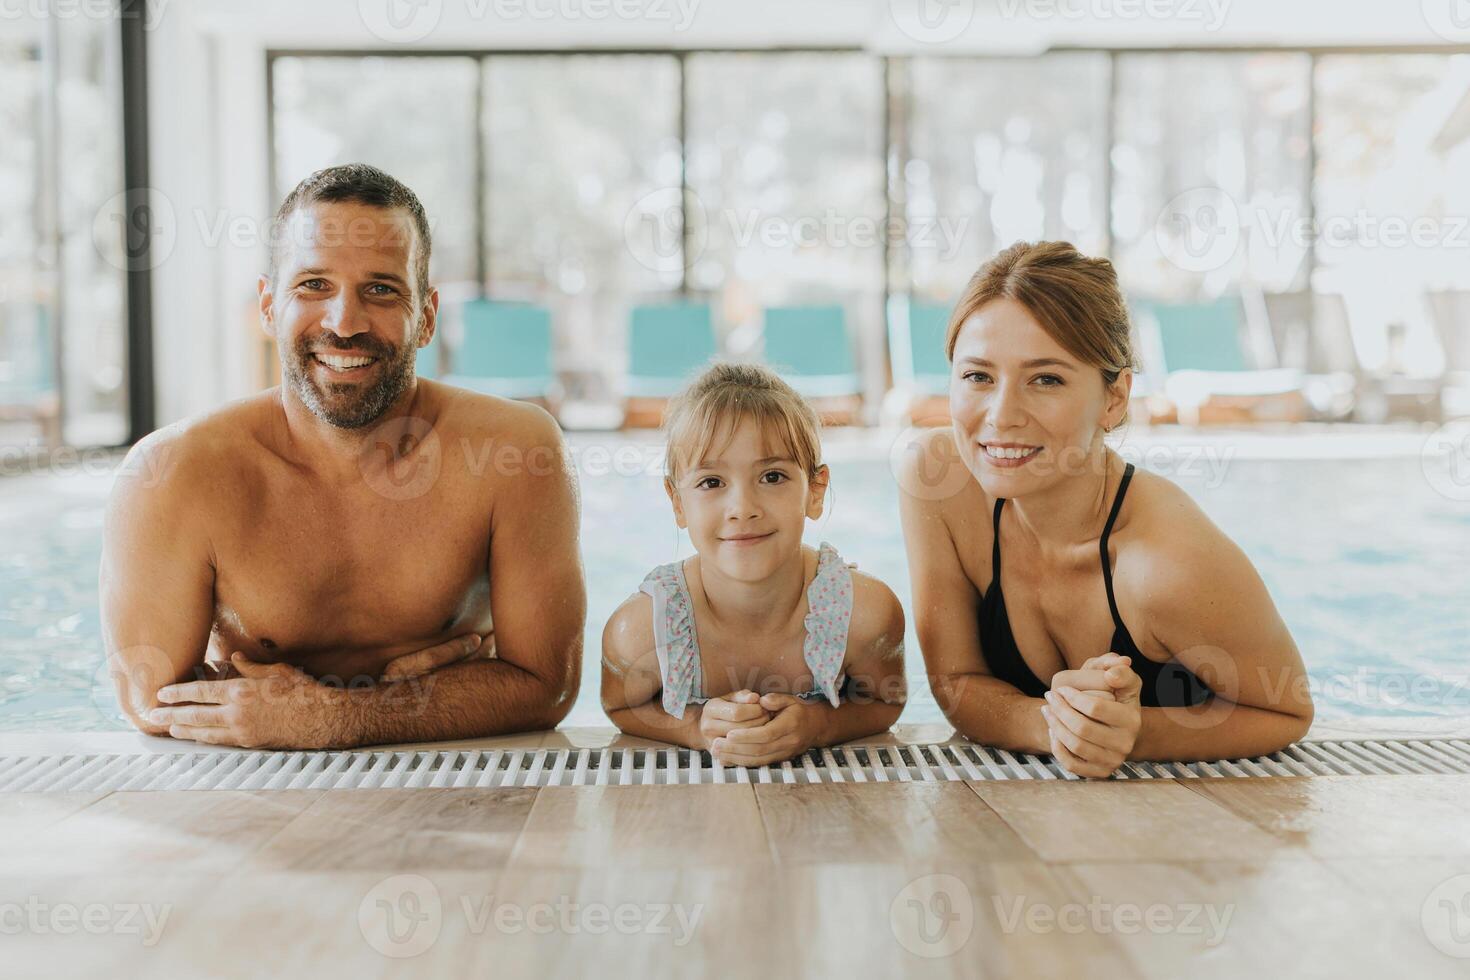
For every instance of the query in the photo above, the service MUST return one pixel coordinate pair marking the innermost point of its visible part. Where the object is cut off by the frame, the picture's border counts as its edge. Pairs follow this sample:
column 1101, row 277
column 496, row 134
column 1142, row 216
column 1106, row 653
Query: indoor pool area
column 1167, row 300
column 1352, row 531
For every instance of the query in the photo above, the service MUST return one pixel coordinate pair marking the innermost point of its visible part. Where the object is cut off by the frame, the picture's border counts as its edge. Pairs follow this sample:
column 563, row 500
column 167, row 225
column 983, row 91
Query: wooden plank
column 643, row 827
column 175, row 832
column 23, row 814
column 877, row 823
column 1281, row 917
column 1428, row 897
column 401, row 830
column 1354, row 816
column 1124, row 821
column 118, row 924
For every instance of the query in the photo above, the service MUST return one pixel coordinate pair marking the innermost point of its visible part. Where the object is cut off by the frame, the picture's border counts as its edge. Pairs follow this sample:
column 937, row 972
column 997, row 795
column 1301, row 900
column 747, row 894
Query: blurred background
column 1283, row 188
column 621, row 189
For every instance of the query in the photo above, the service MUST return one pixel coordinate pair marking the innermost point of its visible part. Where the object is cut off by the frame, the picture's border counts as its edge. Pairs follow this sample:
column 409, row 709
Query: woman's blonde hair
column 1074, row 297
column 715, row 404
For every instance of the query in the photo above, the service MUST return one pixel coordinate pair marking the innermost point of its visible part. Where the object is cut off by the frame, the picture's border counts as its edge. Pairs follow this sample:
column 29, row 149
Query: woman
column 1122, row 624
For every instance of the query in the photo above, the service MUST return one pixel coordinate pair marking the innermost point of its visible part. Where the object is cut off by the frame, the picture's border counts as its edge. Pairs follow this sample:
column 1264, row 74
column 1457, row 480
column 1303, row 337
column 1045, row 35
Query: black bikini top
column 1164, row 685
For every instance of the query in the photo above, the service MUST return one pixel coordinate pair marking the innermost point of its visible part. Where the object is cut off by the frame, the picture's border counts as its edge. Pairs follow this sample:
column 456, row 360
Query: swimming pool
column 1358, row 542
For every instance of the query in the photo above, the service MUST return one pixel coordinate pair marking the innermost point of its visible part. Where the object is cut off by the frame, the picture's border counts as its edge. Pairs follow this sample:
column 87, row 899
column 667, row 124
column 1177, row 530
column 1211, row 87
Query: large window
column 591, row 182
column 1210, row 163
column 574, row 147
column 413, row 117
column 1392, row 194
column 1001, row 151
column 786, row 171
column 63, row 245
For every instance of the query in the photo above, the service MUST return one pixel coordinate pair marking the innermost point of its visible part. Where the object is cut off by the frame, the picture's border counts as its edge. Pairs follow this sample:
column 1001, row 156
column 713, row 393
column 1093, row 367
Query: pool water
column 1365, row 558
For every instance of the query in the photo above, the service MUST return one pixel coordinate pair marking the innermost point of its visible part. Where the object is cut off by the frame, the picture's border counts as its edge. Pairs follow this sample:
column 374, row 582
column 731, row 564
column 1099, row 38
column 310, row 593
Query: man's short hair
column 363, row 184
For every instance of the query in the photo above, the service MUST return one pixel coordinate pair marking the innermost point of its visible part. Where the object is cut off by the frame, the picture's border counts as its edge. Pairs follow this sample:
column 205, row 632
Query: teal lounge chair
column 506, row 350
column 916, row 333
column 27, row 378
column 1199, row 347
column 667, row 344
column 809, row 347
column 427, row 363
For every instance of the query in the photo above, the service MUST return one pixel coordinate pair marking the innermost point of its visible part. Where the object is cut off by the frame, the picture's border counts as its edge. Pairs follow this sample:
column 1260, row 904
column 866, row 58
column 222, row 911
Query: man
column 335, row 547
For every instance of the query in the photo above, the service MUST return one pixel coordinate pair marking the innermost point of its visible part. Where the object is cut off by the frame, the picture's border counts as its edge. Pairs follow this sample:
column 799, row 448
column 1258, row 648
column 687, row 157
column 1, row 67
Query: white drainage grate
column 622, row 767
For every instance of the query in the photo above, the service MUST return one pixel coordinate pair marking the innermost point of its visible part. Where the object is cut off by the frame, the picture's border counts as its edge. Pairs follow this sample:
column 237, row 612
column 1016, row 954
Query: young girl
column 757, row 648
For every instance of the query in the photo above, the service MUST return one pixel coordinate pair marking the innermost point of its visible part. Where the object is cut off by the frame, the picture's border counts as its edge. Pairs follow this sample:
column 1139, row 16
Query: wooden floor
column 1325, row 876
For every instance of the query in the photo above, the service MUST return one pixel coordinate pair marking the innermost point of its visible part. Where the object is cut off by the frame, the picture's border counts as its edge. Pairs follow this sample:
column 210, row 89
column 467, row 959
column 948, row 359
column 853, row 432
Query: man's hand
column 1093, row 715
column 265, row 706
column 792, row 729
column 420, row 662
column 721, row 716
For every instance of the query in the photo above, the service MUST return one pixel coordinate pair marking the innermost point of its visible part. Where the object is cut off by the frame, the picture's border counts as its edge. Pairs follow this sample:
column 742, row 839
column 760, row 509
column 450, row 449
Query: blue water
column 1365, row 558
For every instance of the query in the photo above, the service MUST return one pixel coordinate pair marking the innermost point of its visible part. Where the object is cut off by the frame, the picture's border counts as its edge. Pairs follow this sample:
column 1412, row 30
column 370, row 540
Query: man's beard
column 349, row 406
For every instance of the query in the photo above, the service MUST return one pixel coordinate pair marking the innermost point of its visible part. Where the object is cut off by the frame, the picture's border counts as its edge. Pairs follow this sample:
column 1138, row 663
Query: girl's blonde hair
column 715, row 404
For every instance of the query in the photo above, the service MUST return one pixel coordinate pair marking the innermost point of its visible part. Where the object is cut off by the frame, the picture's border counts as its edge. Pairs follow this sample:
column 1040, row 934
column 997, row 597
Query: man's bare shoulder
column 493, row 435
column 464, row 413
column 200, row 451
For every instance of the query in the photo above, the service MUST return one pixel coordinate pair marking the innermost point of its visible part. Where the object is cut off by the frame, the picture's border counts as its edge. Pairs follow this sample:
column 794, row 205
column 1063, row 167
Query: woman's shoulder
column 932, row 477
column 1167, row 545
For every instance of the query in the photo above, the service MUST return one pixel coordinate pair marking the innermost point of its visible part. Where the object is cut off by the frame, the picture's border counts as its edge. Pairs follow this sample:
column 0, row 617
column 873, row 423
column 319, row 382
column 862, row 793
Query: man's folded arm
column 156, row 581
column 539, row 600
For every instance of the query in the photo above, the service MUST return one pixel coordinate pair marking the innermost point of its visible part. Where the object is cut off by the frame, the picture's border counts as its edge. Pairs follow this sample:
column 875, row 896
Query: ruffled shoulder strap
column 829, row 613
column 674, row 638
